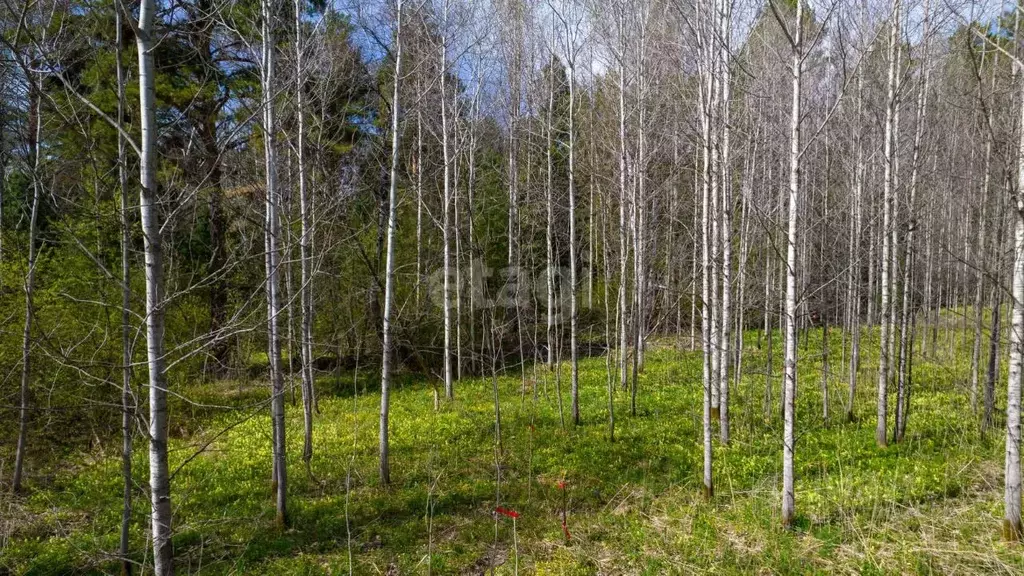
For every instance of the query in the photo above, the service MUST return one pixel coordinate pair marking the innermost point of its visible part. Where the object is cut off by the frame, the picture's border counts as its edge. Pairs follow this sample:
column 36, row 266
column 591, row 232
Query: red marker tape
column 507, row 512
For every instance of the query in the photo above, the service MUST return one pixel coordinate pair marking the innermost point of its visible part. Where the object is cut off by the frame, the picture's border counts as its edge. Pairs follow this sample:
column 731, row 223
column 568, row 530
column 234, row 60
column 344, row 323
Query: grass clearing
column 930, row 505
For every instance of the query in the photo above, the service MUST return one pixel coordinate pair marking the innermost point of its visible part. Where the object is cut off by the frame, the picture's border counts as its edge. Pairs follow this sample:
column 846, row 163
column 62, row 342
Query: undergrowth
column 930, row 504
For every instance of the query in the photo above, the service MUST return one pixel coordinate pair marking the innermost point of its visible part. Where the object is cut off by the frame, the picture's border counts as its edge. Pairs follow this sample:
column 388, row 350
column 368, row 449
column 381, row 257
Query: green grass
column 931, row 504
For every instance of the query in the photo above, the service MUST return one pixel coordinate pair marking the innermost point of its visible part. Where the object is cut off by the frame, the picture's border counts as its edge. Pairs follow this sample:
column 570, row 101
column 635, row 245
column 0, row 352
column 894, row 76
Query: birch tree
column 795, row 38
column 1013, row 529
column 724, row 19
column 887, row 222
column 570, row 24
column 708, row 375
column 35, row 134
column 449, row 389
column 127, row 395
column 159, row 474
column 305, row 242
column 384, row 468
column 272, row 228
column 789, row 437
column 906, row 322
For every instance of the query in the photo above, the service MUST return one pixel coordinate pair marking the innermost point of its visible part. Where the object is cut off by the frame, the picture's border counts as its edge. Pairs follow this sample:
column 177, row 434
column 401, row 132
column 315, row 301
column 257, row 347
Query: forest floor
column 931, row 504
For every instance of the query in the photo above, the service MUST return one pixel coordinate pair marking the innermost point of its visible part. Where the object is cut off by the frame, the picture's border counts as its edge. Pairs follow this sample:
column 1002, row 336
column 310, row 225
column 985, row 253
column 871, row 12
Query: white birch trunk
column 982, row 257
column 273, row 235
column 449, row 389
column 1012, row 527
column 573, row 312
column 623, row 250
column 607, row 273
column 887, row 222
column 693, row 255
column 768, row 333
column 906, row 338
column 716, row 218
column 389, row 266
column 419, row 188
column 854, row 287
column 872, row 268
column 726, row 230
column 744, row 227
column 639, row 218
column 708, row 381
column 470, row 186
column 159, row 474
column 789, row 432
column 549, row 190
column 591, row 252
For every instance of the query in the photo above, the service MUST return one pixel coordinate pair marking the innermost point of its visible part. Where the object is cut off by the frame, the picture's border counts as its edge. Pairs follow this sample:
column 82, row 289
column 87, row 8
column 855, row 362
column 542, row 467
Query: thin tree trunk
column 389, row 289
column 929, row 278
column 789, row 432
column 854, row 278
column 744, row 228
column 708, row 380
column 872, row 268
column 470, row 188
column 768, row 331
column 592, row 157
column 716, row 217
column 286, row 259
column 471, row 239
column 623, row 250
column 35, row 149
column 273, row 235
column 457, row 231
column 573, row 312
column 449, row 388
column 781, row 291
column 419, row 187
column 159, row 474
column 693, row 255
column 306, row 287
column 3, row 177
column 514, row 104
column 902, row 393
column 639, row 219
column 881, row 436
column 824, row 370
column 981, row 259
column 994, row 333
column 607, row 318
column 127, row 396
column 725, row 20
column 997, row 301
column 670, row 253
column 1012, row 526
column 549, row 189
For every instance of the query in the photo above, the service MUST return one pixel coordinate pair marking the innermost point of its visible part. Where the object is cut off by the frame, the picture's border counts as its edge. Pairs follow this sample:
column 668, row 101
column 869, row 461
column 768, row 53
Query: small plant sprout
column 565, row 507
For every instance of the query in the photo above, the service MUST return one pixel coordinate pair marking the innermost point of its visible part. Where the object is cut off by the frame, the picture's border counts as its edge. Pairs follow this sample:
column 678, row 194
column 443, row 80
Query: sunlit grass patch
column 930, row 504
